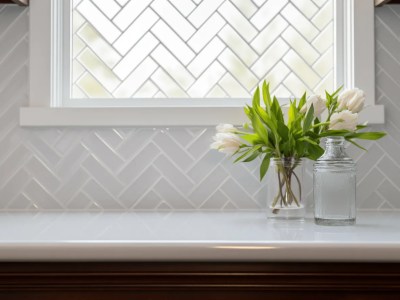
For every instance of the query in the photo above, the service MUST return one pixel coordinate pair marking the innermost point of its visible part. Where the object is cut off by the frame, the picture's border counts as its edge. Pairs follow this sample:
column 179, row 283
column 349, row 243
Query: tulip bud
column 228, row 143
column 344, row 120
column 318, row 103
column 352, row 100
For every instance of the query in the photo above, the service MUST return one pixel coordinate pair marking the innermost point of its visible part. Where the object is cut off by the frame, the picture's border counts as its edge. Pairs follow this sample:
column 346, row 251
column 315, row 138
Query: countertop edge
column 133, row 251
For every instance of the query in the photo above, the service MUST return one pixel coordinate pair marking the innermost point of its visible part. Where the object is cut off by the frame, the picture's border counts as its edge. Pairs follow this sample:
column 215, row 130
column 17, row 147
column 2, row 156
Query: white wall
column 150, row 168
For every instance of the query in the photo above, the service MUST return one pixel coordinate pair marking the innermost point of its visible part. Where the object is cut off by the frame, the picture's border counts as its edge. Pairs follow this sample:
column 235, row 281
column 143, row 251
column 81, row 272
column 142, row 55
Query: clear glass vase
column 285, row 195
column 335, row 185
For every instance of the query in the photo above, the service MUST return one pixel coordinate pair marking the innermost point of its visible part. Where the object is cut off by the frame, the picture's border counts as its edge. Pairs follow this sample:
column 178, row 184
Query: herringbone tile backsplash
column 149, row 169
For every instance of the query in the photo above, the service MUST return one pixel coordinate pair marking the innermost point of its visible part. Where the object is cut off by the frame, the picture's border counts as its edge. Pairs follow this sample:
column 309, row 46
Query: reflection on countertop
column 194, row 236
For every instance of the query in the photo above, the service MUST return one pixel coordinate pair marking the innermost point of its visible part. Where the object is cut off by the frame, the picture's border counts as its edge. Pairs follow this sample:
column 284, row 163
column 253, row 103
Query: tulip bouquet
column 271, row 136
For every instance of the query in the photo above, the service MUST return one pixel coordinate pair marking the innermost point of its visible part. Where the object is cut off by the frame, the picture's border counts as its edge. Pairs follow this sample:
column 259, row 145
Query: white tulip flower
column 228, row 143
column 344, row 120
column 318, row 103
column 352, row 100
column 225, row 128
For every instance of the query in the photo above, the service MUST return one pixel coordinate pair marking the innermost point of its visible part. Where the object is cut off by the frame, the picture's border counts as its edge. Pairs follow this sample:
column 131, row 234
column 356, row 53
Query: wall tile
column 150, row 169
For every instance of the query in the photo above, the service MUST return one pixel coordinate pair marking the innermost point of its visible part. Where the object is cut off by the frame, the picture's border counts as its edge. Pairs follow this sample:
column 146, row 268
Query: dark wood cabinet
column 197, row 280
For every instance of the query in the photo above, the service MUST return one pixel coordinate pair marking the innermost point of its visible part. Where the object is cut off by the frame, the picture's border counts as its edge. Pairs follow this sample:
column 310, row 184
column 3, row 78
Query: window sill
column 147, row 116
column 137, row 116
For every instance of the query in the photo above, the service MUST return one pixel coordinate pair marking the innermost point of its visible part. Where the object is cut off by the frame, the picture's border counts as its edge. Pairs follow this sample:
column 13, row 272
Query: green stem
column 298, row 182
column 281, row 185
column 289, row 190
column 296, row 163
column 285, row 180
column 320, row 124
column 328, row 120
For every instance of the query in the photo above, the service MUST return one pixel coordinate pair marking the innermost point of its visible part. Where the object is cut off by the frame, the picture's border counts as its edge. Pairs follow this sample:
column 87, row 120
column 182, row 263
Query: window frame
column 355, row 40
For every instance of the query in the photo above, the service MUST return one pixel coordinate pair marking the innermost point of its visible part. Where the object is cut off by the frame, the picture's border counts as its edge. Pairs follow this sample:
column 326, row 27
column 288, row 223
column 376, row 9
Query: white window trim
column 357, row 58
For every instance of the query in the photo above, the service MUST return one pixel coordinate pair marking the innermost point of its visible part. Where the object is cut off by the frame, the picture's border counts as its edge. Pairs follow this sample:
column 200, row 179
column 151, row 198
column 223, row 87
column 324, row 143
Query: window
column 190, row 62
column 210, row 49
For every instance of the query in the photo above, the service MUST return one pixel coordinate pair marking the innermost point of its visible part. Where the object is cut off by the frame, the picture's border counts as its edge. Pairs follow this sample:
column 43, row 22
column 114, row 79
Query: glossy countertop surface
column 194, row 236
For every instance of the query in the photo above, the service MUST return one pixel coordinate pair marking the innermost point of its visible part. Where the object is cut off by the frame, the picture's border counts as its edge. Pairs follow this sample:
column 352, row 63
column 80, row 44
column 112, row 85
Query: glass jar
column 335, row 185
column 285, row 195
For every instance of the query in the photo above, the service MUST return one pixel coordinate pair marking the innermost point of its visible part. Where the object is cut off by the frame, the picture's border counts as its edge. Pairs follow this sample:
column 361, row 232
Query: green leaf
column 336, row 93
column 296, row 126
column 309, row 119
column 257, row 107
column 272, row 124
column 248, row 153
column 265, row 117
column 277, row 111
column 332, row 100
column 258, row 117
column 252, row 138
column 252, row 157
column 314, row 151
column 302, row 101
column 314, row 137
column 283, row 132
column 266, row 97
column 291, row 114
column 242, row 156
column 366, row 135
column 256, row 98
column 285, row 148
column 306, row 139
column 265, row 165
column 316, row 128
column 334, row 133
column 328, row 99
column 355, row 144
column 300, row 148
column 260, row 129
column 361, row 127
column 292, row 141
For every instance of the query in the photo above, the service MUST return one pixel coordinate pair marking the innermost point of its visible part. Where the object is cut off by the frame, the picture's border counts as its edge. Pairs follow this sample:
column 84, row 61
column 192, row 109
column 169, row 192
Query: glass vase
column 335, row 185
column 284, row 185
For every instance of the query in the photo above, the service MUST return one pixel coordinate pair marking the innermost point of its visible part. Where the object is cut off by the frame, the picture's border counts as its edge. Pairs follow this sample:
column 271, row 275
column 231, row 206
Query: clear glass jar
column 284, row 185
column 335, row 185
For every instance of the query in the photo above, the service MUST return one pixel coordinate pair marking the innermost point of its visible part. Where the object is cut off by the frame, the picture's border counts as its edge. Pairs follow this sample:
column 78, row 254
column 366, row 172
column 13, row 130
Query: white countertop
column 196, row 236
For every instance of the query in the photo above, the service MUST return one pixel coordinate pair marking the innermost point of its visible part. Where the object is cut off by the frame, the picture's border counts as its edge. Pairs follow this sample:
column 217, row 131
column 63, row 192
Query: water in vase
column 335, row 186
column 334, row 194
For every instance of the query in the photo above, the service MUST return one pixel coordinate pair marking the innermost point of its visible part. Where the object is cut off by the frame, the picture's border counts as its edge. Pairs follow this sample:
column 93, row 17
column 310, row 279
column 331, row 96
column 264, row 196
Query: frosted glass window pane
column 200, row 48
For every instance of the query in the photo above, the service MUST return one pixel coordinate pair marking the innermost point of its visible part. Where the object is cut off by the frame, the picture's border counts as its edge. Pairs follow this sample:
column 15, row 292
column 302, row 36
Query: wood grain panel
column 198, row 281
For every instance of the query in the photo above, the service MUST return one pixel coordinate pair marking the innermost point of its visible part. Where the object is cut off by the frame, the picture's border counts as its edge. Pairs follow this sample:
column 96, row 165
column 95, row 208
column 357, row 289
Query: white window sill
column 147, row 116
column 129, row 116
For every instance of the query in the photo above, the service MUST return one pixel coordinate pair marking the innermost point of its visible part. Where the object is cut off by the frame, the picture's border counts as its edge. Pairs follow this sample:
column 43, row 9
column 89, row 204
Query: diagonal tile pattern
column 149, row 169
column 197, row 49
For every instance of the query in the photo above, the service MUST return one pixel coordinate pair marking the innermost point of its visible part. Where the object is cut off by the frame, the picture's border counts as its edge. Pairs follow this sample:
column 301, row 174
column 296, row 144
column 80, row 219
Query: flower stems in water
column 285, row 195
